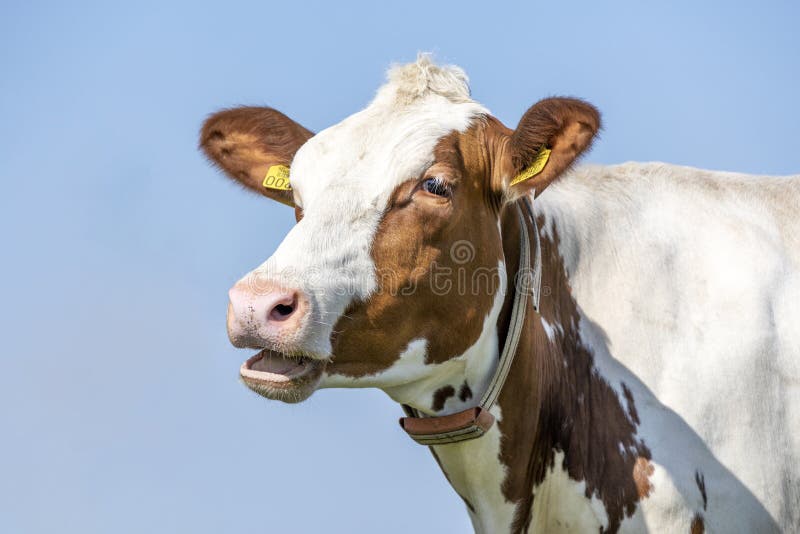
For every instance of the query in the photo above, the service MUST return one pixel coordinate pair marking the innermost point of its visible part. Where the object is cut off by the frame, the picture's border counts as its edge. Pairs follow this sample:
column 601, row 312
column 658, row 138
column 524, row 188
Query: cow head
column 394, row 274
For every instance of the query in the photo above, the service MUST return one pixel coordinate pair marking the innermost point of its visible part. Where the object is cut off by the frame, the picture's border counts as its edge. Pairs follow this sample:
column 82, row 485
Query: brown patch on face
column 555, row 401
column 427, row 251
column 698, row 526
column 465, row 393
column 700, row 480
column 440, row 396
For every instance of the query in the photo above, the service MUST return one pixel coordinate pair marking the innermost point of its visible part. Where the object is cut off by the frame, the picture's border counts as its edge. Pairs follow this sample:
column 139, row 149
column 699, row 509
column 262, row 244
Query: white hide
column 476, row 472
column 688, row 283
column 560, row 505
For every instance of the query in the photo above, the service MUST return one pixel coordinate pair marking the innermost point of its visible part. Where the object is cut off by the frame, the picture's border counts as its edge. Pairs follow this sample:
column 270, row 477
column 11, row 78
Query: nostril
column 283, row 311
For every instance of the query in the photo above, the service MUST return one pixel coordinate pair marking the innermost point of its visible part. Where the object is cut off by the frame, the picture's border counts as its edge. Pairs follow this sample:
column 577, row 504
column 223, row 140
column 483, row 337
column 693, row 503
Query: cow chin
column 280, row 377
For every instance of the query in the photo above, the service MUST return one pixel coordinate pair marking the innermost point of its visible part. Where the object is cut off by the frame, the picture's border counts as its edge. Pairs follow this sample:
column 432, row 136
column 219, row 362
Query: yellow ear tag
column 535, row 168
column 277, row 178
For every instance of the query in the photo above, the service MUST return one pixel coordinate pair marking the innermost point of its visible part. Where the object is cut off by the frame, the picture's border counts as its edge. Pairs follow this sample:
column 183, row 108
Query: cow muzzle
column 265, row 314
column 274, row 318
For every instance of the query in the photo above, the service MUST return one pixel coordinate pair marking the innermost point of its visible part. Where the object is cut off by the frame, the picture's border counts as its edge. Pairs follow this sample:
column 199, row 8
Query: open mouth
column 277, row 376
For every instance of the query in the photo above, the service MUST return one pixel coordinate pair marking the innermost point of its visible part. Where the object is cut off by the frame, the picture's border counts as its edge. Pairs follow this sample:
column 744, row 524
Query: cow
column 583, row 349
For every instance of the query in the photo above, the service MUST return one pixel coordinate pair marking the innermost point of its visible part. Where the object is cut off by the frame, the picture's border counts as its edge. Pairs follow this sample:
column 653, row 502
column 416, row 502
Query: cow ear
column 551, row 135
column 254, row 146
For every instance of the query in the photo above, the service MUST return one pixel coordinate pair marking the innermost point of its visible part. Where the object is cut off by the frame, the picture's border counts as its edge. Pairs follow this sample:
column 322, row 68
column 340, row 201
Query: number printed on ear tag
column 277, row 178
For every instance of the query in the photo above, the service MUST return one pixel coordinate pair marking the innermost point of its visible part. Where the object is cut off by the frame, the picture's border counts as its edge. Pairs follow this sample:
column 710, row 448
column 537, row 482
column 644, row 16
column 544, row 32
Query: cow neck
column 474, row 422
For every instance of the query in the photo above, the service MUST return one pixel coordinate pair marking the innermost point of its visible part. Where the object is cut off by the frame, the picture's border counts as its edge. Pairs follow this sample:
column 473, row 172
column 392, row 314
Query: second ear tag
column 534, row 168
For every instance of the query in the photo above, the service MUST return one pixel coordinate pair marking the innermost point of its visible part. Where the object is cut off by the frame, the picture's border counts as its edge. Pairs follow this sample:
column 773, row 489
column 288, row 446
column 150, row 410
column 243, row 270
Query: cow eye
column 436, row 186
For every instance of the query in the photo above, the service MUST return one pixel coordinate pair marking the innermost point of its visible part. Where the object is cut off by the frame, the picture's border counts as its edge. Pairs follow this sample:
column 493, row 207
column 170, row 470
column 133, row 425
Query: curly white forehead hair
column 416, row 80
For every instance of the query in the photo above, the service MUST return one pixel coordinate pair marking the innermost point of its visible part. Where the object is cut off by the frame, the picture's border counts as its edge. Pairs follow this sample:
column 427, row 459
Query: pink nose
column 264, row 314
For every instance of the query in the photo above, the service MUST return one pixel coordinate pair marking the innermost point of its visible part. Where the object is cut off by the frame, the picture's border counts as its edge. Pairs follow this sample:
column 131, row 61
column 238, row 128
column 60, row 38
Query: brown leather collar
column 476, row 421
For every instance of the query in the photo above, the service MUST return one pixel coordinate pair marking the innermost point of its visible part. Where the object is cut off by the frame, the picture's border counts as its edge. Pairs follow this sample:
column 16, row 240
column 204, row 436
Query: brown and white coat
column 657, row 387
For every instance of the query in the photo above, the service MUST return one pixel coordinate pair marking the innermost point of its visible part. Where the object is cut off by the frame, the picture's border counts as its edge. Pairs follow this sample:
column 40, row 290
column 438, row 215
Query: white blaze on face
column 343, row 178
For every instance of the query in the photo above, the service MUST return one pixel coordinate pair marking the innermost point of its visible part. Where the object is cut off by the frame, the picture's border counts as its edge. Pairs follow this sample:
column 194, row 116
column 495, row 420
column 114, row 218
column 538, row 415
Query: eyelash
column 436, row 186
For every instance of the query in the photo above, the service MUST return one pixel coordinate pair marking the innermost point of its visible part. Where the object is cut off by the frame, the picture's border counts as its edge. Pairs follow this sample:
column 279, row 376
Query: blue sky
column 119, row 401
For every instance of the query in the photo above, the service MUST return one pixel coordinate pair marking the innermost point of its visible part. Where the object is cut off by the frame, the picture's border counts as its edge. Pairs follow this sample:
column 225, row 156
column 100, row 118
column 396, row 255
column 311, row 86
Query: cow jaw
column 282, row 377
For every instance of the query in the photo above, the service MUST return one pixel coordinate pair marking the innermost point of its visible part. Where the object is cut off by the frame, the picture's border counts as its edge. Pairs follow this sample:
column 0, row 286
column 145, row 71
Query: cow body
column 655, row 388
column 687, row 287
